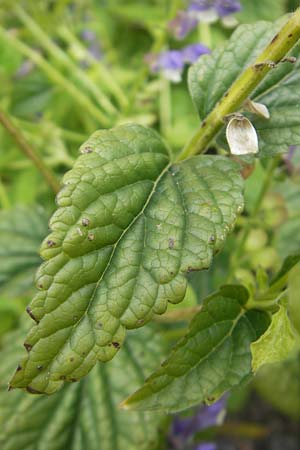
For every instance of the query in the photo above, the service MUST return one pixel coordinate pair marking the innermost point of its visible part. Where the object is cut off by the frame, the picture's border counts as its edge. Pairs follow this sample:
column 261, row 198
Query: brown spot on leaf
column 27, row 346
column 275, row 38
column 51, row 243
column 33, row 391
column 30, row 313
column 91, row 236
column 116, row 344
column 18, row 368
column 171, row 243
column 86, row 150
column 85, row 222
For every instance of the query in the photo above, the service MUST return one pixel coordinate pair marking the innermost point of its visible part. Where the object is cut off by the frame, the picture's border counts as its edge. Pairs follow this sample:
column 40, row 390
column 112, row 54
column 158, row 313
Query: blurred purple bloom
column 216, row 8
column 226, row 7
column 171, row 62
column 94, row 47
column 184, row 428
column 182, row 24
column 192, row 52
column 25, row 69
column 206, row 446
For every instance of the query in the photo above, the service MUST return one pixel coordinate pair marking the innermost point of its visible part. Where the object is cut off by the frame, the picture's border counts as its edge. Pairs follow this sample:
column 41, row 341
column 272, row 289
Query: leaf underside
column 211, row 77
column 129, row 226
column 213, row 356
column 82, row 415
column 21, row 231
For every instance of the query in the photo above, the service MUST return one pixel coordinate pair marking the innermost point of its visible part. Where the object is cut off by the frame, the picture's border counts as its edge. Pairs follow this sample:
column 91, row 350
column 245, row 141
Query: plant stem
column 165, row 106
column 235, row 257
column 4, row 200
column 102, row 72
column 63, row 58
column 29, row 152
column 55, row 76
column 240, row 90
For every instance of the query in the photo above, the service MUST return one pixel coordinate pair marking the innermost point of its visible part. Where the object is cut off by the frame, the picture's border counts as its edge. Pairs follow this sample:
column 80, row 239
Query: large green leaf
column 21, row 232
column 212, row 76
column 84, row 415
column 129, row 226
column 253, row 10
column 213, row 357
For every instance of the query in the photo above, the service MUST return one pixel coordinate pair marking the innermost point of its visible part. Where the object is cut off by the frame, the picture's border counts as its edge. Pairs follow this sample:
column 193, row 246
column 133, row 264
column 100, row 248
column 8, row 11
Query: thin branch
column 21, row 142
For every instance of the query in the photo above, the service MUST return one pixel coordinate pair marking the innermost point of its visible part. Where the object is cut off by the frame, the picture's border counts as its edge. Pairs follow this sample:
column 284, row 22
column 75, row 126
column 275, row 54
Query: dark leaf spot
column 50, row 243
column 32, row 390
column 27, row 346
column 30, row 313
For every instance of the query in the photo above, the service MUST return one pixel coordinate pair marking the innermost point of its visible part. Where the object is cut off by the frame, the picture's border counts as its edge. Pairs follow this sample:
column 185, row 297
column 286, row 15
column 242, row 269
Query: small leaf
column 21, row 231
column 129, row 226
column 212, row 76
column 213, row 357
column 241, row 136
column 84, row 415
column 294, row 299
column 276, row 343
column 287, row 265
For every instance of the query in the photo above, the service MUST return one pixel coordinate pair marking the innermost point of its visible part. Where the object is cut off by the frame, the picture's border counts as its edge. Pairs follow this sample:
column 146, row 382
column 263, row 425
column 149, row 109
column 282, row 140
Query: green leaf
column 129, row 226
column 279, row 384
column 276, row 343
column 287, row 265
column 84, row 415
column 293, row 297
column 253, row 10
column 21, row 231
column 213, row 357
column 212, row 76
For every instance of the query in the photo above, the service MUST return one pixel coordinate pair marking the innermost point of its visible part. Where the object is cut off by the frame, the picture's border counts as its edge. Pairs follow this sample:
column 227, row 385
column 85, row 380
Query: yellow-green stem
column 240, row 90
column 18, row 137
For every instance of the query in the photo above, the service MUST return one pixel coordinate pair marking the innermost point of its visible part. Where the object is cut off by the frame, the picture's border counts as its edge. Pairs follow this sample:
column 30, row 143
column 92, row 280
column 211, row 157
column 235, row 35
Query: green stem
column 236, row 256
column 63, row 58
column 240, row 90
column 4, row 200
column 165, row 107
column 56, row 77
column 102, row 72
column 18, row 137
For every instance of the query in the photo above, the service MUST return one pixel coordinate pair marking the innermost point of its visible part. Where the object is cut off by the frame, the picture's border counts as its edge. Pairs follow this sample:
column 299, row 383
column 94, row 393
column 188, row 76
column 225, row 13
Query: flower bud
column 241, row 136
column 257, row 108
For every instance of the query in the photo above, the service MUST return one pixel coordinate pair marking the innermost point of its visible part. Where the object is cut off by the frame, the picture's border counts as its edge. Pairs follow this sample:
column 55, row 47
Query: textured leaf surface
column 21, row 232
column 128, row 228
column 84, row 415
column 213, row 357
column 212, row 76
column 276, row 343
column 253, row 10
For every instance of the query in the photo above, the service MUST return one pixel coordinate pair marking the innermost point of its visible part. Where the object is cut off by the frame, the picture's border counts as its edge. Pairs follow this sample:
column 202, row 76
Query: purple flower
column 171, row 62
column 182, row 24
column 226, row 7
column 206, row 446
column 211, row 10
column 192, row 52
column 94, row 48
column 184, row 428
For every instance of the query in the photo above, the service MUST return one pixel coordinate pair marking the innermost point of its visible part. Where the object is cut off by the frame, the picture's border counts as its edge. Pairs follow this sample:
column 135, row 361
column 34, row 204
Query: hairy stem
column 19, row 139
column 237, row 254
column 240, row 90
